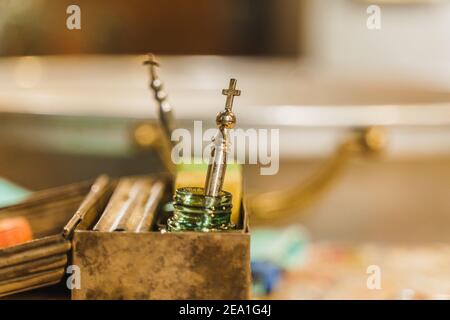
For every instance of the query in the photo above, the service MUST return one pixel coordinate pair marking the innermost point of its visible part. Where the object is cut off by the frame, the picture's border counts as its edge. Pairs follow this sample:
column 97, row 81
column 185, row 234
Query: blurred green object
column 283, row 247
column 11, row 193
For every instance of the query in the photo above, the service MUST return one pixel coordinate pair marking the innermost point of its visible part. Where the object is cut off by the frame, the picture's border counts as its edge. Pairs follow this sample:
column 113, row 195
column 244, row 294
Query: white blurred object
column 412, row 43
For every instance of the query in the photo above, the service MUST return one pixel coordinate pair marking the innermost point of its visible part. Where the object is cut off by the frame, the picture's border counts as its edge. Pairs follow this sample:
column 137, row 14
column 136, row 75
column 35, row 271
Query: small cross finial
column 231, row 92
column 151, row 60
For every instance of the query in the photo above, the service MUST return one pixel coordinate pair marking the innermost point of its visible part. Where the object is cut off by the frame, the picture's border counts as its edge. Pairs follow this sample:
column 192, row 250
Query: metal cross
column 152, row 63
column 151, row 60
column 231, row 92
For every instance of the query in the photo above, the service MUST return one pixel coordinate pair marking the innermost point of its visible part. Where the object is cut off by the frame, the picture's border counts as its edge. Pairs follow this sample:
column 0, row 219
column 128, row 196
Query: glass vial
column 194, row 211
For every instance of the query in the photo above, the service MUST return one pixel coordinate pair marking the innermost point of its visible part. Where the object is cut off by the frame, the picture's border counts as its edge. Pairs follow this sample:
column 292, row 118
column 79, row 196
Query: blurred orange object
column 14, row 231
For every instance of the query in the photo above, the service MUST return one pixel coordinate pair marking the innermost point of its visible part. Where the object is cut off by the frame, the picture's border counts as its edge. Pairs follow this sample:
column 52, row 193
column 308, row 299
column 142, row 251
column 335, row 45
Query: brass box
column 155, row 265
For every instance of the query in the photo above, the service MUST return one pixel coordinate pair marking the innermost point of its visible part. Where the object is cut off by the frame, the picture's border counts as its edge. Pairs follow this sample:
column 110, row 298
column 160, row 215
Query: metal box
column 155, row 265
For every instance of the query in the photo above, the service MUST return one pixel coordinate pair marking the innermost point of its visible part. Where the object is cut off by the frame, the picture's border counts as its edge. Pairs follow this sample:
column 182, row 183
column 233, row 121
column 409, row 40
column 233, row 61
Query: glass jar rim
column 195, row 197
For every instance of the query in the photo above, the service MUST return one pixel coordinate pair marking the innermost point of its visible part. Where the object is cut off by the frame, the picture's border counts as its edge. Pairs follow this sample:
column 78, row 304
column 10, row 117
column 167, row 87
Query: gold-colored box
column 155, row 265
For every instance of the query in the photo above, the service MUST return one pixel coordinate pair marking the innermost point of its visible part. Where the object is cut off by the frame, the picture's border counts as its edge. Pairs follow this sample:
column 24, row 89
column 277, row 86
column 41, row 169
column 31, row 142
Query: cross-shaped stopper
column 231, row 92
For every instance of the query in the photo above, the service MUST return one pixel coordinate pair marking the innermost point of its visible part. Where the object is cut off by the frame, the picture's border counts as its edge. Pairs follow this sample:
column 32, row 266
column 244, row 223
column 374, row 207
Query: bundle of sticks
column 132, row 206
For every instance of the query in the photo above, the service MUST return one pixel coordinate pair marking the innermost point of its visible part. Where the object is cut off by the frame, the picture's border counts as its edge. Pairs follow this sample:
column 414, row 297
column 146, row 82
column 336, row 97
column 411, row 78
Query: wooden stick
column 134, row 205
column 98, row 189
column 29, row 245
column 107, row 220
column 18, row 284
column 32, row 267
column 148, row 216
column 62, row 246
column 29, row 288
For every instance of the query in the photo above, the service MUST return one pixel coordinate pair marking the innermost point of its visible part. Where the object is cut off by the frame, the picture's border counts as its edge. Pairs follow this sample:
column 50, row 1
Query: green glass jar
column 193, row 211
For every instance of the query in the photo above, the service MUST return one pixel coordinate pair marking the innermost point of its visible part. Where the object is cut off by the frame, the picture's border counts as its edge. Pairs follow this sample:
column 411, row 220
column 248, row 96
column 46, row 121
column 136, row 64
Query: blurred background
column 234, row 27
column 71, row 102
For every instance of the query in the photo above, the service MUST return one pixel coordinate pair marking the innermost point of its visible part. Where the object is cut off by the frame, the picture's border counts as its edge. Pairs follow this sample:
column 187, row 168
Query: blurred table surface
column 338, row 271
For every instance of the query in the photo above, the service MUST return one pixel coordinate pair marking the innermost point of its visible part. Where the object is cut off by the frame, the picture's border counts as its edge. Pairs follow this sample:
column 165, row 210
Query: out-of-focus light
column 28, row 72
